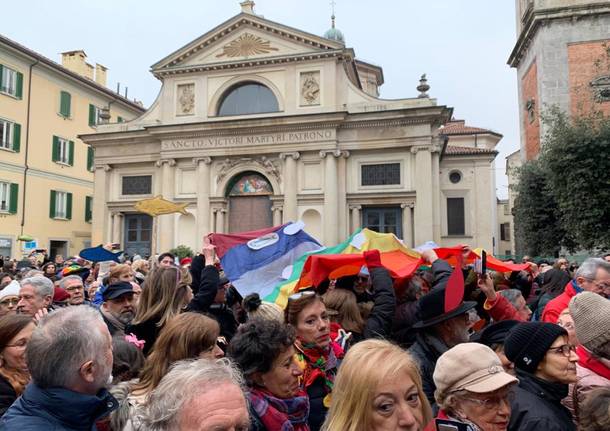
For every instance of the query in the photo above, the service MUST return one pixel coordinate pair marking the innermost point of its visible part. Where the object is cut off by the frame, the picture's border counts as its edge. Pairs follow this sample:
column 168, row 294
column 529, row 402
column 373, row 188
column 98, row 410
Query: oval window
column 455, row 177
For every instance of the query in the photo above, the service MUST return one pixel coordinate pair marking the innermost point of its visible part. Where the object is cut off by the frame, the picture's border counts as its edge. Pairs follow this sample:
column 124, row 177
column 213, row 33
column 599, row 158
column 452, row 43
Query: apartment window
column 505, row 232
column 9, row 193
column 10, row 135
column 94, row 115
column 137, row 185
column 65, row 102
column 455, row 217
column 63, row 151
column 383, row 219
column 381, row 174
column 11, row 82
column 88, row 208
column 61, row 205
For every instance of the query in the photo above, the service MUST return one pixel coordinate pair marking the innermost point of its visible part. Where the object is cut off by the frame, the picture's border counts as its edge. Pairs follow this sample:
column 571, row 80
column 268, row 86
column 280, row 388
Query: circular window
column 455, row 177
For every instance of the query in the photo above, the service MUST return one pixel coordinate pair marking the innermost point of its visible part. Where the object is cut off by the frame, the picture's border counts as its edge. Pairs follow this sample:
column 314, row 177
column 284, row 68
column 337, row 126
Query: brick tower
column 561, row 56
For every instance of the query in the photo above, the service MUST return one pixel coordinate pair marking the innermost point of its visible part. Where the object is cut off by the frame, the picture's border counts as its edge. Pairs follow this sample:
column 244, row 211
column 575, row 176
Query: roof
column 454, row 150
column 459, row 127
column 58, row 67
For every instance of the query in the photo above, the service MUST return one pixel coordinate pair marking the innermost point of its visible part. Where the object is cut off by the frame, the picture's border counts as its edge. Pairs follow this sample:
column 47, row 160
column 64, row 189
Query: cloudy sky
column 462, row 45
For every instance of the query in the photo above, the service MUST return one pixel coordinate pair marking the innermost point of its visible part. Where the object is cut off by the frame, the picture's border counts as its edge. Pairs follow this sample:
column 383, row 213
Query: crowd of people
column 161, row 344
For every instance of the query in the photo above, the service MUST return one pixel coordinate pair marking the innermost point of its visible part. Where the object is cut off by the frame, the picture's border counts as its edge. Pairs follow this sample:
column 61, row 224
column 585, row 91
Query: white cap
column 11, row 289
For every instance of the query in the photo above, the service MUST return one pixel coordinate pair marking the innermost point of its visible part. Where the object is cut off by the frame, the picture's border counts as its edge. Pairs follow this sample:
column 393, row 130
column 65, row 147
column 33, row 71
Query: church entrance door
column 249, row 203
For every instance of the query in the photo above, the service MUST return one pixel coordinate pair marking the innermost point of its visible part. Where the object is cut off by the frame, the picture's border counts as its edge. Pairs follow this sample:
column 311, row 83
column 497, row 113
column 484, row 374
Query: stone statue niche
column 186, row 99
column 310, row 88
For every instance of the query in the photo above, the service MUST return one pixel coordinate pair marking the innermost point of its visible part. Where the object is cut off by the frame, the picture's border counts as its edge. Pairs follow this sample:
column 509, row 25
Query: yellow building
column 46, row 178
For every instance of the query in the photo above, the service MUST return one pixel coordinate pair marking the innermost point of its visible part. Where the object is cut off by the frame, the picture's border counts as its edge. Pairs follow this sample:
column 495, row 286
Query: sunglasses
column 301, row 294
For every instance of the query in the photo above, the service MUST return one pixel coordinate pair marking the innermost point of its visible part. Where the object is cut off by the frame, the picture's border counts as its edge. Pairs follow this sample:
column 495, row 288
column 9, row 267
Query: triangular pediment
column 246, row 37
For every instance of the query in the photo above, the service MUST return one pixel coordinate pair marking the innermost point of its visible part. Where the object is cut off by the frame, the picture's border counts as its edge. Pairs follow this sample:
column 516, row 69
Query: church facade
column 258, row 123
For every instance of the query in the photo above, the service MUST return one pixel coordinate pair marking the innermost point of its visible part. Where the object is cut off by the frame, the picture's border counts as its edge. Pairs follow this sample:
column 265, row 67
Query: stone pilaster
column 424, row 216
column 290, row 186
column 407, row 224
column 355, row 217
column 203, row 196
column 165, row 225
column 100, row 229
column 330, row 218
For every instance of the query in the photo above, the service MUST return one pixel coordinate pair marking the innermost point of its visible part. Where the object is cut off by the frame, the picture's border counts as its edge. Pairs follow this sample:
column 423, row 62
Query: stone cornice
column 536, row 18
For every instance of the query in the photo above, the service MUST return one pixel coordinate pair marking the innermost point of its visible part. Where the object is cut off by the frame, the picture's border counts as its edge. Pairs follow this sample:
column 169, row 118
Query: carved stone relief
column 310, row 88
column 186, row 99
column 246, row 45
column 265, row 163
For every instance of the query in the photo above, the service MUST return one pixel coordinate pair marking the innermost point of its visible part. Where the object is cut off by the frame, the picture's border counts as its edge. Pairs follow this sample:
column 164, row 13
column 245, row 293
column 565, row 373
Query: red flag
column 454, row 292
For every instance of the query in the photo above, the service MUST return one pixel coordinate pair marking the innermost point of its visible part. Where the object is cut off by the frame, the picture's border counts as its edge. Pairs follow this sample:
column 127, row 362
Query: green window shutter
column 52, row 206
column 89, row 158
column 71, row 153
column 16, row 137
column 119, row 119
column 91, row 115
column 69, row 206
column 65, row 103
column 19, row 89
column 1, row 71
column 12, row 207
column 88, row 202
column 55, row 149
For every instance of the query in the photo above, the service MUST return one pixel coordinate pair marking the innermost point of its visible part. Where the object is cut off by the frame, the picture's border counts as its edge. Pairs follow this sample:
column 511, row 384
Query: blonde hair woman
column 166, row 292
column 378, row 387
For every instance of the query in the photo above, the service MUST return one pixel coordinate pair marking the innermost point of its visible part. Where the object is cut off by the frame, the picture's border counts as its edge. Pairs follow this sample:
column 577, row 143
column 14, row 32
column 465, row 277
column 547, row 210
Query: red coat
column 555, row 306
column 502, row 309
column 432, row 425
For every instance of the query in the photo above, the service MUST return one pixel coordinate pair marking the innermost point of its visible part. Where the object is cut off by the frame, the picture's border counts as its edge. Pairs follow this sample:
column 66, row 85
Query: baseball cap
column 115, row 290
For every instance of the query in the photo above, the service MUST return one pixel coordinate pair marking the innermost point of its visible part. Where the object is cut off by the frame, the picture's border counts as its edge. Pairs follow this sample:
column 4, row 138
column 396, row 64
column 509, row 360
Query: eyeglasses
column 565, row 350
column 301, row 294
column 567, row 325
column 493, row 403
column 10, row 301
column 74, row 288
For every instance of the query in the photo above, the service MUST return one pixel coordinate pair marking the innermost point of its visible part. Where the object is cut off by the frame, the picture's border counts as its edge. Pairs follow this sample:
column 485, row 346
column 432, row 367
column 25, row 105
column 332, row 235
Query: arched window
column 247, row 98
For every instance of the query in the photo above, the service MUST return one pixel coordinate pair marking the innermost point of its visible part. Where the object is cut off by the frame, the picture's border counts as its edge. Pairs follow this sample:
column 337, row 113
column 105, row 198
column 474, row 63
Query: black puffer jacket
column 537, row 406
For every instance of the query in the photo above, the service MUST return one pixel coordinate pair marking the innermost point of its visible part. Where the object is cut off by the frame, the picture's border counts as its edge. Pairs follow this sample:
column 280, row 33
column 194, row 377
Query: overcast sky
column 462, row 45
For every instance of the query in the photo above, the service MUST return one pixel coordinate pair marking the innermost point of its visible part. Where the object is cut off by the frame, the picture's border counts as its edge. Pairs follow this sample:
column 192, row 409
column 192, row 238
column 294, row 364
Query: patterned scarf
column 281, row 414
column 318, row 363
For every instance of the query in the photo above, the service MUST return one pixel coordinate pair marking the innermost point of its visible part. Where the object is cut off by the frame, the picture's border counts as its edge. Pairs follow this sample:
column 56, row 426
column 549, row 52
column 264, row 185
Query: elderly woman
column 317, row 353
column 378, row 388
column 9, row 297
column 473, row 388
column 546, row 364
column 15, row 332
column 264, row 350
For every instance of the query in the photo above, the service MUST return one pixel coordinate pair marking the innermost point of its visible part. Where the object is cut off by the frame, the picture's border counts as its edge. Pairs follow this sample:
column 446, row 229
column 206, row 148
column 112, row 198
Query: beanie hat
column 591, row 314
column 59, row 294
column 11, row 289
column 528, row 342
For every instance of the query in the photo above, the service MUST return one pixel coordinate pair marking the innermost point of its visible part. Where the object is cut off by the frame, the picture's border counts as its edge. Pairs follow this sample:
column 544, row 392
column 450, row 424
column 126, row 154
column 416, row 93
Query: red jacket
column 432, row 425
column 555, row 306
column 502, row 309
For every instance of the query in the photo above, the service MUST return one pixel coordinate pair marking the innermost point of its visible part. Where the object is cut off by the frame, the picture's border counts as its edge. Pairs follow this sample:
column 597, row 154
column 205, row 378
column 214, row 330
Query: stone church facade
column 258, row 123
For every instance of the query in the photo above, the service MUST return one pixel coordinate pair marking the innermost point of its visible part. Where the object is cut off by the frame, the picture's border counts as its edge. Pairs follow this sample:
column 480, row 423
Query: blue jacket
column 57, row 409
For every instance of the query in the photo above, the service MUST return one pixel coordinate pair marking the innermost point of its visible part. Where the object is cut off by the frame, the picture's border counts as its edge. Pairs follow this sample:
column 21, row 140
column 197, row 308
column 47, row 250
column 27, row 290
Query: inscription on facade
column 239, row 141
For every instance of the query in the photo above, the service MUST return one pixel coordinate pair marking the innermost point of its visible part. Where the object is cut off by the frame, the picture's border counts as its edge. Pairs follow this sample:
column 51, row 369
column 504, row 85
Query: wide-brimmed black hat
column 431, row 309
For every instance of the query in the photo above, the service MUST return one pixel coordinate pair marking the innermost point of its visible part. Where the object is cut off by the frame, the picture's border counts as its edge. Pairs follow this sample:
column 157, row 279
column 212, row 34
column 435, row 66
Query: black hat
column 115, row 290
column 222, row 281
column 528, row 342
column 495, row 333
column 431, row 308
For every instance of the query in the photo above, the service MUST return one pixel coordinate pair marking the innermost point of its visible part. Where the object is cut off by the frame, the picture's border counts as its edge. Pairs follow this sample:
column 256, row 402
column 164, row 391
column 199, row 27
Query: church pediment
column 245, row 37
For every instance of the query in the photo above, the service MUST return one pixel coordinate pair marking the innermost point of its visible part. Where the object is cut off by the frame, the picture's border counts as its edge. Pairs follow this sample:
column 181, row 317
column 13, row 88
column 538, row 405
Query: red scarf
column 319, row 363
column 586, row 360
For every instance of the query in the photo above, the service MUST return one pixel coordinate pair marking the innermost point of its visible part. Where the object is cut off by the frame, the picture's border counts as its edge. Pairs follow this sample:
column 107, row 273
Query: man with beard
column 70, row 360
column 118, row 308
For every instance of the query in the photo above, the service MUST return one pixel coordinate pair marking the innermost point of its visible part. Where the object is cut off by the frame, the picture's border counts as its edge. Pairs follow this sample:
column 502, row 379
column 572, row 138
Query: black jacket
column 317, row 410
column 7, row 395
column 147, row 331
column 205, row 285
column 537, row 406
column 426, row 351
column 225, row 318
column 379, row 323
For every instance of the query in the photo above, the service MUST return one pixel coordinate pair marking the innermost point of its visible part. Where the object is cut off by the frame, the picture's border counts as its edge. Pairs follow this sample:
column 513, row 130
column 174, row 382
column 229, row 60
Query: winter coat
column 204, row 285
column 555, row 306
column 426, row 351
column 225, row 318
column 592, row 373
column 379, row 322
column 537, row 406
column 57, row 409
column 7, row 395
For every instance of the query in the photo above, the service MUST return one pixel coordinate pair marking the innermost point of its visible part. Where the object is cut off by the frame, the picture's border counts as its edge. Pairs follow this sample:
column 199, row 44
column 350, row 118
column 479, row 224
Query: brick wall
column 587, row 61
column 529, row 91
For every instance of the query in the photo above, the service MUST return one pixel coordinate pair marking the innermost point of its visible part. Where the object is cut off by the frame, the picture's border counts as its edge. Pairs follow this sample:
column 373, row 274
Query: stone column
column 100, row 229
column 203, row 196
column 331, row 204
column 220, row 219
column 117, row 224
column 342, row 195
column 355, row 217
column 277, row 216
column 290, row 186
column 424, row 217
column 407, row 225
column 166, row 222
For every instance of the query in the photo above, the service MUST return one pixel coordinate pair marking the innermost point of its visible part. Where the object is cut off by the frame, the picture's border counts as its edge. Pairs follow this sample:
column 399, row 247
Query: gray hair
column 186, row 380
column 33, row 273
column 65, row 280
column 42, row 285
column 512, row 295
column 62, row 342
column 589, row 268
